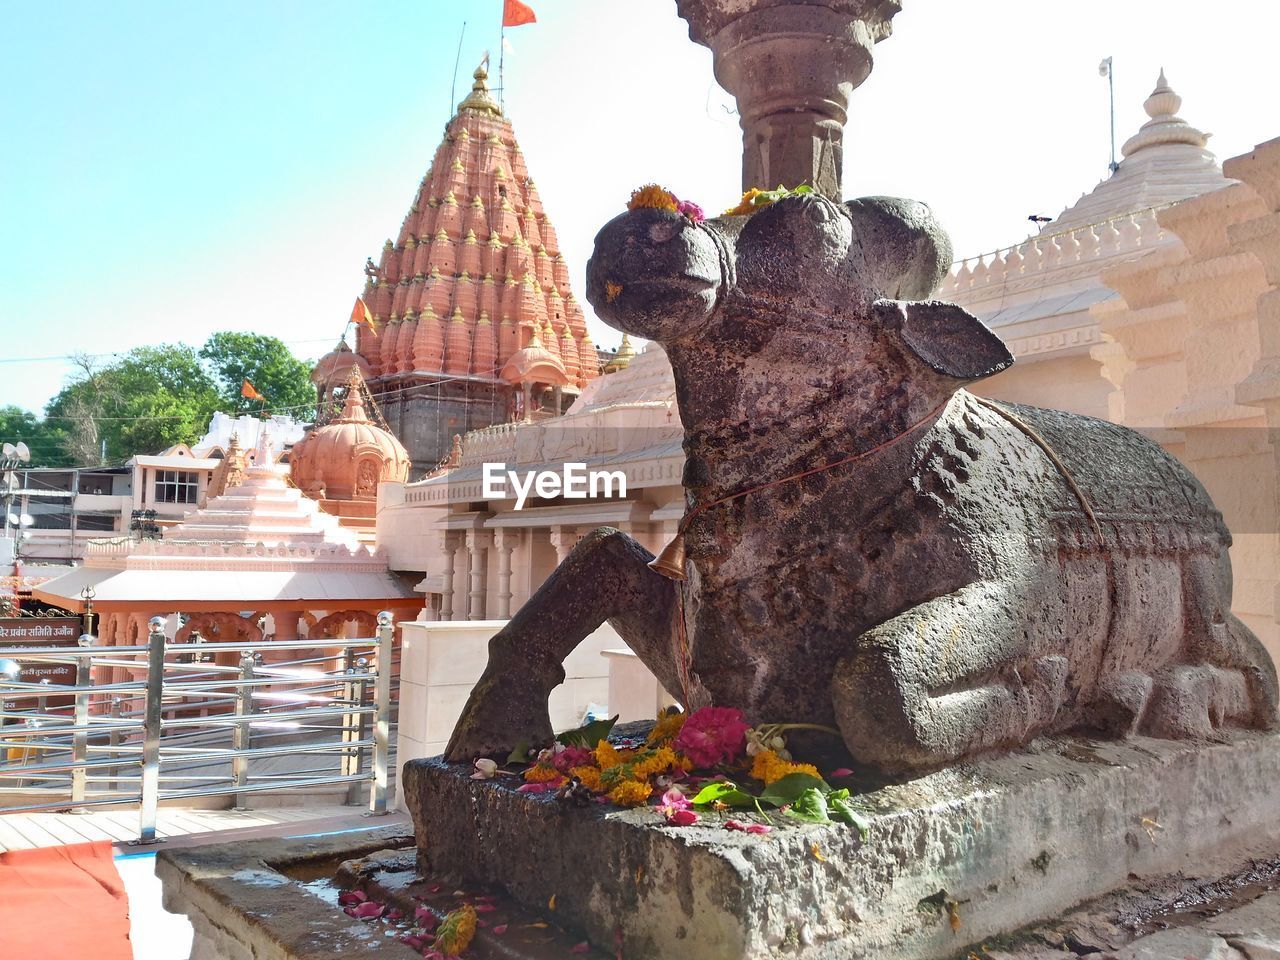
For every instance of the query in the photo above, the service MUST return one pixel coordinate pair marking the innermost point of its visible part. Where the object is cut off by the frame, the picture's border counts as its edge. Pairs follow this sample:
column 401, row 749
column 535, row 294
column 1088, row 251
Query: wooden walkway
column 181, row 827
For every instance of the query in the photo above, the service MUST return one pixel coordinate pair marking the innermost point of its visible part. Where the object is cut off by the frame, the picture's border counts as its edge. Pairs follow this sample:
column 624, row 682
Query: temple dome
column 334, row 367
column 346, row 458
column 535, row 364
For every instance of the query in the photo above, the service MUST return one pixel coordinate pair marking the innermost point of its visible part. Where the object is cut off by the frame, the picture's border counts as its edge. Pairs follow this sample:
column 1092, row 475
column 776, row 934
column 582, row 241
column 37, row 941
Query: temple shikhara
column 476, row 322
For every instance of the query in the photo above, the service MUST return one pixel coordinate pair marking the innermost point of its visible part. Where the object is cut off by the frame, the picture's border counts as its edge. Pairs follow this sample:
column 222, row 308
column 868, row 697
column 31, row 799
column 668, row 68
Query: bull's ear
column 947, row 338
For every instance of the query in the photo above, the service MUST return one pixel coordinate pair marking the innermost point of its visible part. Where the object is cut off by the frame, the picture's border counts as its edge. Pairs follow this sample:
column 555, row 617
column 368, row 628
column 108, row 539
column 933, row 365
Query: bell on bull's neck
column 670, row 562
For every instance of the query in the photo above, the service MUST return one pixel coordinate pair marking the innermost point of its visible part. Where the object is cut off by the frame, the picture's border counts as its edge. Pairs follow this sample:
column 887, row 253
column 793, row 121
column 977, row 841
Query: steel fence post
column 80, row 717
column 151, row 723
column 241, row 735
column 382, row 716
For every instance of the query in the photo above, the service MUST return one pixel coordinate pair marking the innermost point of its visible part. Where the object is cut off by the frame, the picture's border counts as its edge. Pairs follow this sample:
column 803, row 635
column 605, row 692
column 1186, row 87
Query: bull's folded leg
column 944, row 680
column 605, row 577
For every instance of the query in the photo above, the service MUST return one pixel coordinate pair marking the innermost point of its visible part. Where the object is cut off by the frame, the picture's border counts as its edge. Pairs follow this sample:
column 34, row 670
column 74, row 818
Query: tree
column 283, row 379
column 151, row 399
column 44, row 440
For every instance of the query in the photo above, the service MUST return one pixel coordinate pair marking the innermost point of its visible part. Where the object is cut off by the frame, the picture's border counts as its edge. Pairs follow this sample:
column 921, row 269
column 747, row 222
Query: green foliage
column 724, row 791
column 788, row 789
column 588, row 735
column 44, row 438
column 155, row 397
column 265, row 362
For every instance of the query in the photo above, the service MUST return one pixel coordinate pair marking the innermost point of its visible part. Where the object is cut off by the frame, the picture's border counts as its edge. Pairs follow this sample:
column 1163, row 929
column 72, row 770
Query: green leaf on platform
column 726, row 792
column 520, row 754
column 842, row 811
column 789, row 788
column 811, row 805
column 589, row 734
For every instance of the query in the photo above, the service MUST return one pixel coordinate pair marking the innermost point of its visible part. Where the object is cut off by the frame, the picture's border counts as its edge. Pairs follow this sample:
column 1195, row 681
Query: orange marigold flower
column 666, row 728
column 589, row 777
column 746, row 205
column 541, row 774
column 607, row 755
column 768, row 767
column 653, row 197
column 630, row 793
column 657, row 761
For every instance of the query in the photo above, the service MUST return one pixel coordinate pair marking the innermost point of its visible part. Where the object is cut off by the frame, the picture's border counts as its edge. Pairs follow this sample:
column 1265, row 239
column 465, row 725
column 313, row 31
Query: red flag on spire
column 515, row 13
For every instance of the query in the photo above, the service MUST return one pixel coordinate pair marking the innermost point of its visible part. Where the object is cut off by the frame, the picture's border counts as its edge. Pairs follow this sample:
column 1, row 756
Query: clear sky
column 173, row 169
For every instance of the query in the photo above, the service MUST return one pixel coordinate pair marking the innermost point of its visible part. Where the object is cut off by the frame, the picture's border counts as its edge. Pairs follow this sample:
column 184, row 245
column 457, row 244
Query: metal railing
column 172, row 721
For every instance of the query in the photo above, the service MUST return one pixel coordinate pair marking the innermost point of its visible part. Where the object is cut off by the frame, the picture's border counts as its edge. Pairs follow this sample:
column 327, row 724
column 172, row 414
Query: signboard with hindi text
column 40, row 632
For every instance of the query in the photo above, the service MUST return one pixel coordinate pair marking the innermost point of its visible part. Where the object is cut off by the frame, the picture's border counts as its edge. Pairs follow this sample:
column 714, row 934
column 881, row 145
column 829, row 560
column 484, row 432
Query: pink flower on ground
column 746, row 827
column 548, row 786
column 691, row 210
column 571, row 757
column 672, row 801
column 712, row 735
column 682, row 818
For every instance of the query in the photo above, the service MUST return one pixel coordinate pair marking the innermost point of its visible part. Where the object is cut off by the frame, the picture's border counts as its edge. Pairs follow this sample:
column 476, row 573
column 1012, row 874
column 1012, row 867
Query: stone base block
column 951, row 859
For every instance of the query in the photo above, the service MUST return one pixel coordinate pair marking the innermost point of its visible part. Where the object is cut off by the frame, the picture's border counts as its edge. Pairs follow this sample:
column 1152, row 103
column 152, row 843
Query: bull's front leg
column 605, row 577
column 947, row 679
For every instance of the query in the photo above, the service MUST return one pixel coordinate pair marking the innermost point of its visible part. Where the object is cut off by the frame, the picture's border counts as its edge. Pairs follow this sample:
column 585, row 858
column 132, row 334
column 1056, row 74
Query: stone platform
column 952, row 859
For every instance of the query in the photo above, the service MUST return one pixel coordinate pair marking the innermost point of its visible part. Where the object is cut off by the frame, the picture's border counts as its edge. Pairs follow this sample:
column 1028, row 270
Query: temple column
column 563, row 539
column 478, row 549
column 505, row 540
column 791, row 67
column 451, row 543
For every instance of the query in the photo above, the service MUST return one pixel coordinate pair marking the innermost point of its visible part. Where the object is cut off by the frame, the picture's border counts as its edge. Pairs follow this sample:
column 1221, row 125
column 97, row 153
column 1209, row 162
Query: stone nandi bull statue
column 868, row 543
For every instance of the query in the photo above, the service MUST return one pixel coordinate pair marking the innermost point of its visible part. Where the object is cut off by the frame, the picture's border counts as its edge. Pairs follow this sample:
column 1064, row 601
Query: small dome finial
column 1164, row 126
column 478, row 100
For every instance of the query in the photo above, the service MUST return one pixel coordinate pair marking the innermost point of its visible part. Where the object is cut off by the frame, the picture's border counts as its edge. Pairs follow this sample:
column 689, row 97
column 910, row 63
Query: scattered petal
column 537, row 925
column 485, row 907
column 435, row 888
column 735, row 825
column 841, row 772
column 817, row 853
column 395, row 914
column 350, row 898
column 414, row 941
column 682, row 818
column 758, row 828
column 500, row 929
column 582, row 947
column 551, row 904
column 369, row 910
column 426, row 919
column 546, row 786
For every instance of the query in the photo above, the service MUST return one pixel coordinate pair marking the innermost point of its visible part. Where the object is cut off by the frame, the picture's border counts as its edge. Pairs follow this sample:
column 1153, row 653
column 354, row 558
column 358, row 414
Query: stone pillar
column 504, row 541
column 478, row 549
column 563, row 539
column 451, row 540
column 791, row 67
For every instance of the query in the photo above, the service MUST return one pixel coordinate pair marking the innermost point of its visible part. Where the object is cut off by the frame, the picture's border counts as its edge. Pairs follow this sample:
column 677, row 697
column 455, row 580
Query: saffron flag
column 361, row 316
column 516, row 14
column 249, row 392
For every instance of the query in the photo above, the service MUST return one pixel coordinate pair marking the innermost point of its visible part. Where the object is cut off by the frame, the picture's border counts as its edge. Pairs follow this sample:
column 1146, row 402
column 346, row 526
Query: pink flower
column 746, row 827
column 571, row 757
column 712, row 735
column 682, row 818
column 548, row 786
column 672, row 801
column 691, row 210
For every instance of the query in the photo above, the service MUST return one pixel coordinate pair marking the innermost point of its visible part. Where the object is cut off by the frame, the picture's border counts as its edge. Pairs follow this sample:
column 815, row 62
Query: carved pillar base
column 792, row 68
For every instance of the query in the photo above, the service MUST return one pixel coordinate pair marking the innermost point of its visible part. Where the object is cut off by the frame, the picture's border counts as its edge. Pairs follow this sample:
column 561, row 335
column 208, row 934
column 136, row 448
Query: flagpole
column 502, row 55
